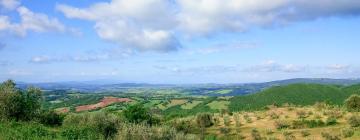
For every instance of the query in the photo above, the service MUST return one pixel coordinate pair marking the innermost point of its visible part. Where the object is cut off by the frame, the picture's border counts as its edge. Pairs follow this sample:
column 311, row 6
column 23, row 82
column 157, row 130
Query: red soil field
column 103, row 103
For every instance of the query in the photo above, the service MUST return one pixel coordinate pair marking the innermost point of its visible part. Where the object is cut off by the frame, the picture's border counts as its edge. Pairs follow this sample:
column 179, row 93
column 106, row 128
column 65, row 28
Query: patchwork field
column 103, row 103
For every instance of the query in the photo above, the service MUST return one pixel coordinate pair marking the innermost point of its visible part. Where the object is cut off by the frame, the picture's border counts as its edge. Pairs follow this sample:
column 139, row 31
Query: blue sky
column 178, row 41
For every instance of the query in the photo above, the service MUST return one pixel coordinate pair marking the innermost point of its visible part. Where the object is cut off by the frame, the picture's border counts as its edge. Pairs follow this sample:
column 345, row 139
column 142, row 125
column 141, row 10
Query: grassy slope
column 299, row 94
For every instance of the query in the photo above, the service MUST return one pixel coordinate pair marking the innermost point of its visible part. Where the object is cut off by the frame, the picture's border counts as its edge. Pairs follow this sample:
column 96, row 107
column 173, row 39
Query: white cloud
column 19, row 72
column 273, row 66
column 9, row 4
column 152, row 24
column 208, row 16
column 31, row 21
column 222, row 47
column 142, row 25
column 338, row 67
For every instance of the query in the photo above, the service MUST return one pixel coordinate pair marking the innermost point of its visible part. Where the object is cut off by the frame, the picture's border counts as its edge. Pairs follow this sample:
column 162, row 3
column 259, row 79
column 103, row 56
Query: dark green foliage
column 138, row 114
column 51, row 118
column 298, row 94
column 79, row 133
column 22, row 131
column 331, row 121
column 103, row 124
column 18, row 105
column 353, row 103
column 302, row 123
column 204, row 120
column 177, row 111
column 185, row 126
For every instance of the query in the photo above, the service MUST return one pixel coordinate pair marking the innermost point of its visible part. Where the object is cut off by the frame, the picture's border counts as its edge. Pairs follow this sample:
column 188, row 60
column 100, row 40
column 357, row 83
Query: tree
column 203, row 120
column 17, row 104
column 138, row 114
column 353, row 103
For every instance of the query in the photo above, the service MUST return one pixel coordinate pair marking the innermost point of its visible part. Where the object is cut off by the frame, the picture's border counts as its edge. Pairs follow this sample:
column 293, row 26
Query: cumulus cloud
column 208, row 16
column 152, row 24
column 31, row 21
column 142, row 25
column 9, row 4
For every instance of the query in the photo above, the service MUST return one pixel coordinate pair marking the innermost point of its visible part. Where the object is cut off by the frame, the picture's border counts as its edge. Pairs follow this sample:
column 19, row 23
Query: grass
column 217, row 105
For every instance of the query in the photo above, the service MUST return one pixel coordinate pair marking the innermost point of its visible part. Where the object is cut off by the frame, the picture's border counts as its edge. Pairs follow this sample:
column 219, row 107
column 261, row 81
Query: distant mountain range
column 243, row 88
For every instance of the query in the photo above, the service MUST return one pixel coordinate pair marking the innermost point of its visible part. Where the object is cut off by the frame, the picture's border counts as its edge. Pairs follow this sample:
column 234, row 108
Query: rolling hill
column 298, row 94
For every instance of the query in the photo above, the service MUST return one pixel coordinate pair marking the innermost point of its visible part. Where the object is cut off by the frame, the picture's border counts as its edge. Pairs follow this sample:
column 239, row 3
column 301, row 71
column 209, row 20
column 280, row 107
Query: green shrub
column 347, row 132
column 354, row 121
column 353, row 103
column 51, row 118
column 138, row 114
column 79, row 132
column 185, row 126
column 314, row 123
column 104, row 124
column 331, row 121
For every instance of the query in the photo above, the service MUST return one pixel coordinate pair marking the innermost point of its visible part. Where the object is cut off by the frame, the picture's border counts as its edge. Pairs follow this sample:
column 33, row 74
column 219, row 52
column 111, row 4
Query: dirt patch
column 103, row 103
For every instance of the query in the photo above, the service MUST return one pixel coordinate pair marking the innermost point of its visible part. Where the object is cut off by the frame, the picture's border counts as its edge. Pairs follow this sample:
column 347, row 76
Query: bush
column 305, row 133
column 102, row 123
column 353, row 103
column 79, row 132
column 331, row 121
column 18, row 104
column 282, row 124
column 301, row 114
column 315, row 123
column 51, row 118
column 185, row 126
column 224, row 130
column 255, row 134
column 288, row 135
column 143, row 131
column 204, row 120
column 354, row 121
column 347, row 132
column 273, row 115
column 138, row 114
column 328, row 136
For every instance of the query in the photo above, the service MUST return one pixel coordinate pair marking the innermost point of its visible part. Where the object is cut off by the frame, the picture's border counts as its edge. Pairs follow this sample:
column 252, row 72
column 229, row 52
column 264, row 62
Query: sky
column 178, row 41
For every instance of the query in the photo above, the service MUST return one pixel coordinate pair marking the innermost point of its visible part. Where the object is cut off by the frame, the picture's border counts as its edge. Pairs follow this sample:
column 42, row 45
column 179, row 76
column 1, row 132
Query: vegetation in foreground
column 22, row 117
